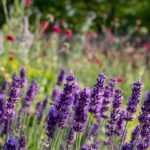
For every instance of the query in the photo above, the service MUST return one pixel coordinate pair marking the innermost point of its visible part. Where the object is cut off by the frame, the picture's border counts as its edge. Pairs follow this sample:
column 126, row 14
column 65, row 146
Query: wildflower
column 66, row 100
column 28, row 3
column 115, row 114
column 120, row 124
column 56, row 94
column 30, row 95
column 11, row 144
column 80, row 117
column 68, row 33
column 71, row 137
column 107, row 97
column 14, row 96
column 134, row 100
column 22, row 143
column 40, row 108
column 61, row 76
column 10, row 38
column 97, row 95
column 23, row 78
column 56, row 29
column 51, row 121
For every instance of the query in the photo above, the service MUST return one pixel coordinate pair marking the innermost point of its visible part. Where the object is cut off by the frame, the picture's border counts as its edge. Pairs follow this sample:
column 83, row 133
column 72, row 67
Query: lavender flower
column 107, row 99
column 61, row 76
column 23, row 78
column 115, row 114
column 120, row 124
column 144, row 116
column 66, row 100
column 126, row 146
column 40, row 108
column 80, row 117
column 2, row 109
column 56, row 94
column 97, row 95
column 86, row 147
column 14, row 96
column 134, row 135
column 11, row 144
column 4, row 86
column 22, row 143
column 51, row 122
column 144, row 144
column 30, row 95
column 71, row 136
column 134, row 100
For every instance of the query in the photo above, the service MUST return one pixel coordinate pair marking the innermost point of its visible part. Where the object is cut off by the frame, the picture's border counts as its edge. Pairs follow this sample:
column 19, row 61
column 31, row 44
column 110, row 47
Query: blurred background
column 88, row 37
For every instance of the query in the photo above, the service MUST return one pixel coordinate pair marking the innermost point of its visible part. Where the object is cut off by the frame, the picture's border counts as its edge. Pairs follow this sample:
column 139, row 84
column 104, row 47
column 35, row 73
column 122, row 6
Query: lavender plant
column 88, row 119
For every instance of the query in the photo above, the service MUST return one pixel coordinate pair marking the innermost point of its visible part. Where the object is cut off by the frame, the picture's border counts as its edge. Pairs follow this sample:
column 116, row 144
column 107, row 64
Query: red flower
column 45, row 24
column 10, row 38
column 56, row 29
column 120, row 80
column 11, row 58
column 68, row 32
column 28, row 3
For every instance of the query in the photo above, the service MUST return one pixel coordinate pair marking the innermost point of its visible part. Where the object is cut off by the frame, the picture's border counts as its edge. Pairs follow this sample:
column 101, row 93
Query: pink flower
column 28, row 3
column 56, row 29
column 68, row 32
column 10, row 38
column 44, row 27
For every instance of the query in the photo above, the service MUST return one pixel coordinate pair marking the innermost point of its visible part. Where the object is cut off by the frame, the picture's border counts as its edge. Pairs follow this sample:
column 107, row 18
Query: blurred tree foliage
column 75, row 11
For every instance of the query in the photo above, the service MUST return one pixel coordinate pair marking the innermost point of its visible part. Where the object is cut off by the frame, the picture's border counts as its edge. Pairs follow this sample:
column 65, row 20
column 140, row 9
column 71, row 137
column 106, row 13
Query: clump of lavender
column 61, row 76
column 80, row 117
column 11, row 144
column 134, row 100
column 66, row 100
column 97, row 95
column 30, row 95
column 40, row 108
column 115, row 114
column 22, row 143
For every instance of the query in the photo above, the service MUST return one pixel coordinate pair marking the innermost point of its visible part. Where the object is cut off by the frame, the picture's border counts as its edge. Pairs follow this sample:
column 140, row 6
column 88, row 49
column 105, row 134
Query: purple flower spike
column 134, row 100
column 2, row 110
column 120, row 124
column 66, row 100
column 56, row 94
column 40, row 108
column 115, row 114
column 30, row 95
column 4, row 86
column 71, row 137
column 80, row 117
column 14, row 96
column 86, row 147
column 145, row 114
column 11, row 144
column 23, row 78
column 107, row 99
column 22, row 143
column 51, row 122
column 61, row 76
column 97, row 95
